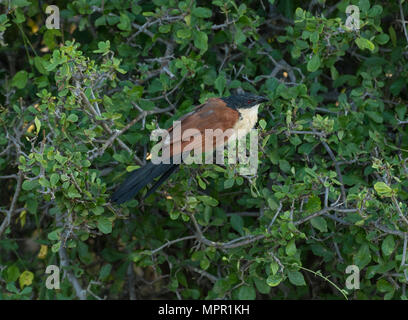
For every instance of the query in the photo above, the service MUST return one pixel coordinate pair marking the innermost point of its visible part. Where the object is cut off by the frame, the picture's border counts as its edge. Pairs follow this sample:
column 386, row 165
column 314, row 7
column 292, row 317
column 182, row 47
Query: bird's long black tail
column 139, row 178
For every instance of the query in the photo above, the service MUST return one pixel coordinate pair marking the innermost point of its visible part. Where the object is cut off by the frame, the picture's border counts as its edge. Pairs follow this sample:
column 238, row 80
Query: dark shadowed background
column 77, row 105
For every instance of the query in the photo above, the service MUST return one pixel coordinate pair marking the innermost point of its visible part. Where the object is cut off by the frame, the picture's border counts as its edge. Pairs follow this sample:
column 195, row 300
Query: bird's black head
column 244, row 100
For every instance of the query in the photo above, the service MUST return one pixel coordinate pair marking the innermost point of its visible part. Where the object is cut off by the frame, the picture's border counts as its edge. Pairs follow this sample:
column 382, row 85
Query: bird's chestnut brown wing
column 213, row 115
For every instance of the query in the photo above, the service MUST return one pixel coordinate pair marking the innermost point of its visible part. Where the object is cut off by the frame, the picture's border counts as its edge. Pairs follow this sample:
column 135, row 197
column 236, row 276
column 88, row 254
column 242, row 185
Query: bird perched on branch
column 237, row 114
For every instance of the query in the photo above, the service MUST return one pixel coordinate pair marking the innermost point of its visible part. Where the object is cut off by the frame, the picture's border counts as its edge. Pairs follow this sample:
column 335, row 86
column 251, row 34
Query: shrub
column 77, row 108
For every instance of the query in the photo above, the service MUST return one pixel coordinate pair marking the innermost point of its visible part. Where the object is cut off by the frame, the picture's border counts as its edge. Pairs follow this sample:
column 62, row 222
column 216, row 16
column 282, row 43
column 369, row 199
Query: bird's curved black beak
column 261, row 99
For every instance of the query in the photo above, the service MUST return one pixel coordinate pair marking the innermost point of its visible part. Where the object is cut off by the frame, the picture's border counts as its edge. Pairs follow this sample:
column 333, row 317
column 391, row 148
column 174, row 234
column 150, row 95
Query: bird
column 238, row 112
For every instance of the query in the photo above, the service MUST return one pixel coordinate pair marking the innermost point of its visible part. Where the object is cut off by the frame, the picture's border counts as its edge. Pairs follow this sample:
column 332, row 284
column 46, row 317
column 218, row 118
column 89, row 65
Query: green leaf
column 388, row 245
column 204, row 263
column 311, row 172
column 296, row 278
column 201, row 183
column 364, row 43
column 229, row 183
column 383, row 189
column 201, row 12
column 274, row 279
column 39, row 64
column 201, row 41
column 98, row 210
column 384, row 286
column 72, row 117
column 20, row 79
column 314, row 63
column 397, row 86
column 184, row 33
column 50, row 41
column 284, row 165
column 44, row 182
column 104, row 225
column 37, row 124
column 209, row 201
column 363, row 256
column 124, row 22
column 220, row 83
column 319, row 223
column 291, row 248
column 54, row 235
column 56, row 246
column 19, row 17
column 198, row 255
column 246, row 293
column 313, row 204
column 382, row 38
column 105, row 271
column 12, row 287
column 12, row 273
column 262, row 124
column 401, row 110
column 29, row 185
column 174, row 215
column 73, row 192
column 239, row 36
column 375, row 116
column 101, row 21
column 364, row 5
column 237, row 223
column 262, row 286
column 393, row 36
column 165, row 28
column 132, row 168
column 274, row 267
column 19, row 3
column 375, row 11
column 103, row 47
column 61, row 159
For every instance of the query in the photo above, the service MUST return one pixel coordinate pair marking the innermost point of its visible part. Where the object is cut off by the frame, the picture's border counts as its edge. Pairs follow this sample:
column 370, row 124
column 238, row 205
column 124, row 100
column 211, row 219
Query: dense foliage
column 77, row 106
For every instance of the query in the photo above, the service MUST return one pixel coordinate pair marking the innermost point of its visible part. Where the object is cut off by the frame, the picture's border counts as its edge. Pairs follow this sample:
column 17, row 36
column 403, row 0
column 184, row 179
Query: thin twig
column 204, row 273
column 227, row 245
column 66, row 264
column 168, row 244
column 131, row 281
column 403, row 20
column 319, row 213
column 337, row 167
column 7, row 219
column 400, row 213
column 106, row 127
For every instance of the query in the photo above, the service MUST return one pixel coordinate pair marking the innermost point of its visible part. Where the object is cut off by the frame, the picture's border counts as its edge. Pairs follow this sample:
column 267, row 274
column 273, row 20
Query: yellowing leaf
column 22, row 218
column 26, row 279
column 31, row 128
column 43, row 252
column 37, row 124
column 383, row 189
column 274, row 280
column 33, row 25
column 364, row 43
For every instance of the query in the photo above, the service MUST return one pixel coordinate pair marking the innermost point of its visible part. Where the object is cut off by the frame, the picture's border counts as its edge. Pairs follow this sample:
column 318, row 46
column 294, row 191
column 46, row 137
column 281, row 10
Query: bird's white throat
column 247, row 120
